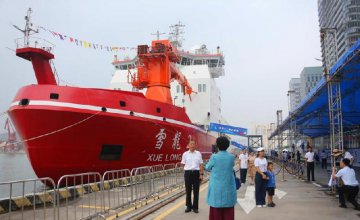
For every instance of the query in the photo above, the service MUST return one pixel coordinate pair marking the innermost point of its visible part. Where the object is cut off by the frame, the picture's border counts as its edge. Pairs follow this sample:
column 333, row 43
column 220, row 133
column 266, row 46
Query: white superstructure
column 200, row 68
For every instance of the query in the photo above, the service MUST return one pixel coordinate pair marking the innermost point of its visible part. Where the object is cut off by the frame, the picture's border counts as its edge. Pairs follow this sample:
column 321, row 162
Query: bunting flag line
column 85, row 44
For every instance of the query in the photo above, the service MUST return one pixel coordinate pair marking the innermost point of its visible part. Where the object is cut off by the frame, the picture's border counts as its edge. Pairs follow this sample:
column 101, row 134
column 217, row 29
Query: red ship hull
column 69, row 130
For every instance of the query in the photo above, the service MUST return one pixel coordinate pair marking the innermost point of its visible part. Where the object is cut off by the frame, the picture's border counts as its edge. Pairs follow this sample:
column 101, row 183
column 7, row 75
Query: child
column 270, row 187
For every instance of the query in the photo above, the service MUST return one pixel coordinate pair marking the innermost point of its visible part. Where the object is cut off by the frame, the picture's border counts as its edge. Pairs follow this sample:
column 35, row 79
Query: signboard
column 236, row 144
column 227, row 129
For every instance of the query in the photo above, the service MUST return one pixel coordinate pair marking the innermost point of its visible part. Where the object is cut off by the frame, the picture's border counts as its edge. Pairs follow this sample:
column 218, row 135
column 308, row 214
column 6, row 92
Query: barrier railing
column 20, row 204
column 179, row 170
column 141, row 181
column 158, row 180
column 117, row 189
column 170, row 179
column 87, row 195
column 80, row 196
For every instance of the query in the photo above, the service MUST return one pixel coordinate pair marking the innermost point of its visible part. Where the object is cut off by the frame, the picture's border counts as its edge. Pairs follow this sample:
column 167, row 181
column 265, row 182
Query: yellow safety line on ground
column 137, row 206
column 172, row 209
column 94, row 207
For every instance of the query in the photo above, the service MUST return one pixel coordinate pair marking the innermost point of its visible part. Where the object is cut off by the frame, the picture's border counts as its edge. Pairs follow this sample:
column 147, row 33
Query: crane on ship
column 156, row 69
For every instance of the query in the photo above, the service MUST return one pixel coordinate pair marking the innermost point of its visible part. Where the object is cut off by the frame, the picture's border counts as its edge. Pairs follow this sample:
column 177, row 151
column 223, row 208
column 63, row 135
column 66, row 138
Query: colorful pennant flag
column 85, row 44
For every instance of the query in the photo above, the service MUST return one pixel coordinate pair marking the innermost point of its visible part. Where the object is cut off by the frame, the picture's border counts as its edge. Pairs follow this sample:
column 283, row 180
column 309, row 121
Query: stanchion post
column 283, row 172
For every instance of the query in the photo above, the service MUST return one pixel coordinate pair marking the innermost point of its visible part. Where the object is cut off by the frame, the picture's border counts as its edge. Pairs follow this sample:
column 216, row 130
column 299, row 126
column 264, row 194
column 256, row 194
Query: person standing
column 193, row 175
column 271, row 185
column 260, row 178
column 243, row 165
column 310, row 164
column 221, row 196
column 350, row 184
column 323, row 156
column 251, row 166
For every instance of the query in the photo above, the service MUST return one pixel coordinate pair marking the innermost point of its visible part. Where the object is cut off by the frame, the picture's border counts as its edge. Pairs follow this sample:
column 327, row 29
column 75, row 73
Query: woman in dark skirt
column 260, row 178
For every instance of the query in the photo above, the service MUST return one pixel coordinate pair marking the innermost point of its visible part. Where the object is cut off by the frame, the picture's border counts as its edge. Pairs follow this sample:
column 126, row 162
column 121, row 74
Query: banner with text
column 227, row 129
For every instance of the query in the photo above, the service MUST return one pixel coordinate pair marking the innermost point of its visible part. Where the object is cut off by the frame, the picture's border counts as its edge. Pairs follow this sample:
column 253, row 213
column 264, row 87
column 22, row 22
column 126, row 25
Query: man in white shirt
column 350, row 186
column 243, row 165
column 310, row 164
column 193, row 167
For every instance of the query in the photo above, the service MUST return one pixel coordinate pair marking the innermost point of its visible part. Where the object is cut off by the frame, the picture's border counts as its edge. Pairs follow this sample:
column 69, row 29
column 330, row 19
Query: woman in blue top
column 221, row 195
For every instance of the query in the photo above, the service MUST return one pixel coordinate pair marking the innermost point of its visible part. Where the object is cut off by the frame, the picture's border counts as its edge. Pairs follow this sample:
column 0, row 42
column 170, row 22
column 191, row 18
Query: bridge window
column 199, row 87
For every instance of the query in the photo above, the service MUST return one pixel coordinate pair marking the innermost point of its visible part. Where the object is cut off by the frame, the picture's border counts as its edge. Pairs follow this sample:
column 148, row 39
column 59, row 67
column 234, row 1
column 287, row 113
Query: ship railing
column 117, row 189
column 80, row 196
column 35, row 42
column 141, row 181
column 28, row 199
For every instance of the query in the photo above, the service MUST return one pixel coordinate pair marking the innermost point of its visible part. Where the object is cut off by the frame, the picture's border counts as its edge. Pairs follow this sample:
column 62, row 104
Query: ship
column 146, row 118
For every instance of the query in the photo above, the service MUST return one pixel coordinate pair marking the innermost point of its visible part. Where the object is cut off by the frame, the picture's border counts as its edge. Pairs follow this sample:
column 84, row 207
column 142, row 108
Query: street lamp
column 326, row 45
column 290, row 117
column 289, row 98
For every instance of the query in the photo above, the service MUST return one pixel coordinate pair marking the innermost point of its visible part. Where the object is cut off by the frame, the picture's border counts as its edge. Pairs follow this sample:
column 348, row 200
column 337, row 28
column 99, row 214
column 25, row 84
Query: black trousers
column 243, row 173
column 310, row 168
column 324, row 163
column 351, row 192
column 260, row 189
column 192, row 183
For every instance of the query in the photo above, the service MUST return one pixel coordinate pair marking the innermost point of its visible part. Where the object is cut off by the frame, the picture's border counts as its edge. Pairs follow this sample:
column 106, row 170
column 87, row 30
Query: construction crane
column 156, row 69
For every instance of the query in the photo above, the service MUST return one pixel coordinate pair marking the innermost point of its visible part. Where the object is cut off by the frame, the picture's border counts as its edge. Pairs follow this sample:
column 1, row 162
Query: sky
column 265, row 43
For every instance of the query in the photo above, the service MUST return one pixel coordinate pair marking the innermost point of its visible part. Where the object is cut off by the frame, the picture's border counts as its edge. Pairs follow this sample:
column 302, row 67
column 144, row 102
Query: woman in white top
column 260, row 178
column 349, row 186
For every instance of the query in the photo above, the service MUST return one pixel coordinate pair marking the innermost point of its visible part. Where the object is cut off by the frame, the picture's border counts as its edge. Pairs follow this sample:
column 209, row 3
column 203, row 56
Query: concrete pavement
column 302, row 201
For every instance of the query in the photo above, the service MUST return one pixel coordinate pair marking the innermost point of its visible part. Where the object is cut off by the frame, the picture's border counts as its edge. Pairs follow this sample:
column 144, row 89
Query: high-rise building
column 340, row 20
column 294, row 92
column 309, row 77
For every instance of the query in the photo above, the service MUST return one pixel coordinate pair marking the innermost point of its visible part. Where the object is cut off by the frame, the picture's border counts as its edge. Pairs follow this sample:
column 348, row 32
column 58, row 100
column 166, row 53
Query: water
column 15, row 167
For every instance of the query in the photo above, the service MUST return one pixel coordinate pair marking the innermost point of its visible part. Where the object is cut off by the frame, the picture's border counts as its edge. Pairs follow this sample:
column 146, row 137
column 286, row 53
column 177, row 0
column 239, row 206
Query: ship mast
column 175, row 34
column 158, row 34
column 28, row 28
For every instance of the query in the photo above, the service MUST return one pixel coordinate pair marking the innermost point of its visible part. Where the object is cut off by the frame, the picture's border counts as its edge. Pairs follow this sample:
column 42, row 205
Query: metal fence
column 117, row 189
column 157, row 179
column 141, row 182
column 170, row 176
column 80, row 196
column 87, row 195
column 39, row 204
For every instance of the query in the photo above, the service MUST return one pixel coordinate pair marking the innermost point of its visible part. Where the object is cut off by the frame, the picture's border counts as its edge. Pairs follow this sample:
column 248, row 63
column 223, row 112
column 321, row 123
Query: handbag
column 237, row 181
